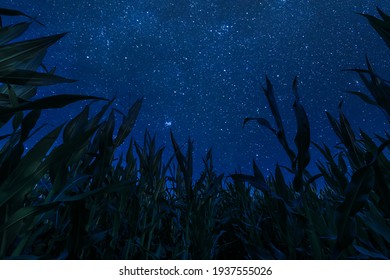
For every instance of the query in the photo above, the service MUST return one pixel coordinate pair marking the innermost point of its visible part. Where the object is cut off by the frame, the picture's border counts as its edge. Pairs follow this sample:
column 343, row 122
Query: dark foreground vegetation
column 75, row 201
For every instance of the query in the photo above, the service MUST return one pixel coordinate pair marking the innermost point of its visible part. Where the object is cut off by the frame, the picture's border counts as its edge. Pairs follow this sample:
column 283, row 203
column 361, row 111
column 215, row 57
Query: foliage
column 74, row 200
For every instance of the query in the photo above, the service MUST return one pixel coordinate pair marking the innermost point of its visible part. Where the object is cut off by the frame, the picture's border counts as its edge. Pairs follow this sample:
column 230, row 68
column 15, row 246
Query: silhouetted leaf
column 29, row 123
column 374, row 221
column 31, row 78
column 25, row 175
column 346, row 135
column 334, row 124
column 270, row 95
column 381, row 26
column 76, row 126
column 26, row 212
column 13, row 99
column 342, row 165
column 335, row 173
column 10, row 12
column 128, row 123
column 107, row 132
column 62, row 155
column 356, row 196
column 363, row 97
column 313, row 226
column 24, row 93
column 262, row 122
column 97, row 118
column 15, row 55
column 11, row 158
column 178, row 153
column 378, row 87
column 252, row 181
column 280, row 185
column 51, row 102
column 302, row 140
column 279, row 132
column 384, row 16
column 189, row 165
column 12, row 32
column 312, row 179
column 5, row 136
column 349, row 139
column 257, row 173
column 4, row 98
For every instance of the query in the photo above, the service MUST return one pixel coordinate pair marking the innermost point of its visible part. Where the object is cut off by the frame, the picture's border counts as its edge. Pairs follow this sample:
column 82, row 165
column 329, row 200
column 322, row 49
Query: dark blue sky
column 200, row 66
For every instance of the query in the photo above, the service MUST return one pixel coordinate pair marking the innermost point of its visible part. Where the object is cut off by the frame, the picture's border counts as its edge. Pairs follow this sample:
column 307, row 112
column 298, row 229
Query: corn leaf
column 31, row 78
column 51, row 102
column 356, row 196
column 14, row 56
column 128, row 123
column 380, row 26
column 12, row 32
column 261, row 122
column 364, row 97
column 10, row 12
column 24, row 176
column 302, row 140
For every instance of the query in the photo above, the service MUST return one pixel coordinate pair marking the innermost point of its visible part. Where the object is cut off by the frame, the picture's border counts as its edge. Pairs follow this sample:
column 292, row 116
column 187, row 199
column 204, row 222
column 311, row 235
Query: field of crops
column 74, row 200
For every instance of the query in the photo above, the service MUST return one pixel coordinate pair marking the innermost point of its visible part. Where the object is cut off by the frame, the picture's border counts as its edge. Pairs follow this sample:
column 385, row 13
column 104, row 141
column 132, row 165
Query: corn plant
column 98, row 194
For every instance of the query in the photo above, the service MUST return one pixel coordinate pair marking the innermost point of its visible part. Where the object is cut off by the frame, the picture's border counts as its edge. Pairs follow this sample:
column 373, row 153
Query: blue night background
column 201, row 66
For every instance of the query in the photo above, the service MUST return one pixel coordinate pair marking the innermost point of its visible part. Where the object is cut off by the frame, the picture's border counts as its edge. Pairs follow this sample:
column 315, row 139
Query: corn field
column 68, row 197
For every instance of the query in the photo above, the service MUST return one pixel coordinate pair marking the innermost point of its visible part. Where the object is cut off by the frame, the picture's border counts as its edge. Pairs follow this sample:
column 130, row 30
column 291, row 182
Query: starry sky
column 200, row 65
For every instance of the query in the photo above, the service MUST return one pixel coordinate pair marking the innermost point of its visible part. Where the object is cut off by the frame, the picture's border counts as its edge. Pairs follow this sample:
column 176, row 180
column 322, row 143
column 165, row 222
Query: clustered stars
column 200, row 64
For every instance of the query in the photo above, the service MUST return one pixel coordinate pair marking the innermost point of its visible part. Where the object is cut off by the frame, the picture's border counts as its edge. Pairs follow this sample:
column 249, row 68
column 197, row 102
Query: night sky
column 200, row 66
